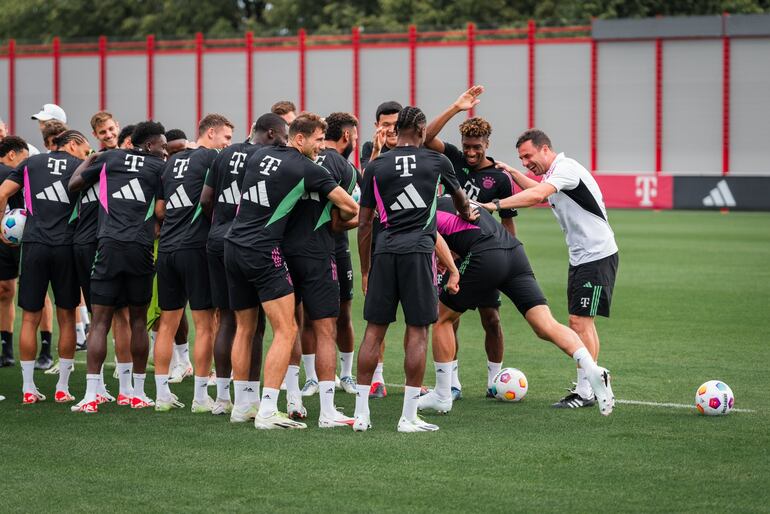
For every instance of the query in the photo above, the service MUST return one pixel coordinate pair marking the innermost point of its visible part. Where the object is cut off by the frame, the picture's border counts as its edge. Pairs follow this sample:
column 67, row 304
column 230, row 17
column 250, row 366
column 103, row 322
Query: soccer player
column 402, row 186
column 106, row 130
column 491, row 259
column 50, row 112
column 577, row 202
column 13, row 151
column 219, row 200
column 482, row 182
column 286, row 110
column 47, row 253
column 177, row 141
column 182, row 266
column 124, row 138
column 49, row 131
column 275, row 179
column 129, row 183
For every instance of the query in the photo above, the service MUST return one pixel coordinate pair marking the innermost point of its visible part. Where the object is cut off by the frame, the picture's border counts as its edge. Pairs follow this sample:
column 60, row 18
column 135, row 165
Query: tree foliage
column 36, row 20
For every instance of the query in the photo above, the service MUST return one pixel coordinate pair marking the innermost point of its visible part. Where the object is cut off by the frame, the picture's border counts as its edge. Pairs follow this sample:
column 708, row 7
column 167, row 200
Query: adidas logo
column 329, row 391
column 408, row 199
column 587, row 284
column 127, row 372
column 55, row 193
column 440, row 371
column 231, row 195
column 720, row 196
column 247, row 389
column 90, row 195
column 266, row 397
column 131, row 191
column 257, row 194
column 179, row 199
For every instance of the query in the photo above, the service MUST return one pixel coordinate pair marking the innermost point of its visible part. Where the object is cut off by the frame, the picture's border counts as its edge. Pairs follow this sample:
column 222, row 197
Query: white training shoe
column 294, row 407
column 179, row 372
column 348, row 385
column 54, row 370
column 168, row 404
column 410, row 426
column 277, row 420
column 361, row 424
column 205, row 406
column 338, row 419
column 243, row 414
column 337, row 384
column 602, row 386
column 433, row 401
column 310, row 388
column 222, row 407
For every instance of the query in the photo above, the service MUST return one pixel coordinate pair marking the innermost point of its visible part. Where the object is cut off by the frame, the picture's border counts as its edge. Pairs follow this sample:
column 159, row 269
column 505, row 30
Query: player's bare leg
column 443, row 343
column 164, row 341
column 325, row 332
column 346, row 346
column 368, row 356
column 121, row 333
column 585, row 327
column 7, row 319
column 493, row 343
column 203, row 353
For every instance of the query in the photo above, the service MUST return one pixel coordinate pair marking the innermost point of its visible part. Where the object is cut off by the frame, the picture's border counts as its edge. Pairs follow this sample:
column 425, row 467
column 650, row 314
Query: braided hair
column 68, row 136
column 410, row 118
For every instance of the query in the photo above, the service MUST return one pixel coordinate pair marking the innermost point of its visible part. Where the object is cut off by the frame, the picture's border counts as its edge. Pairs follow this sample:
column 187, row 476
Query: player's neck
column 203, row 143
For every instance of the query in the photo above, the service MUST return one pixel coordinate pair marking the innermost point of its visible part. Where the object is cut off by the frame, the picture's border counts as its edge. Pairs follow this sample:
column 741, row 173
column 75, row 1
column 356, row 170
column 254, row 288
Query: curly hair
column 337, row 122
column 476, row 127
column 145, row 131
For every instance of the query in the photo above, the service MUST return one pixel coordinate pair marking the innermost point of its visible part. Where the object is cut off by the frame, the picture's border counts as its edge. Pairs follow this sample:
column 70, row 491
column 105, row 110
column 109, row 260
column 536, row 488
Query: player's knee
column 580, row 323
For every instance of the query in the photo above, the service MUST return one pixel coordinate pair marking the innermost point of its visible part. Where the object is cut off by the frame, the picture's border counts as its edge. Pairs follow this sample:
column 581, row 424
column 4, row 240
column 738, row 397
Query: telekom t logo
column 646, row 189
column 268, row 165
column 405, row 164
column 57, row 165
column 236, row 162
column 133, row 160
column 180, row 166
column 584, row 302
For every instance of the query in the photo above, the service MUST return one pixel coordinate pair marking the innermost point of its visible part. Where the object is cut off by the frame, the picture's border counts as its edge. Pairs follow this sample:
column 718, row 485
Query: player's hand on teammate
column 453, row 282
column 469, row 99
column 488, row 206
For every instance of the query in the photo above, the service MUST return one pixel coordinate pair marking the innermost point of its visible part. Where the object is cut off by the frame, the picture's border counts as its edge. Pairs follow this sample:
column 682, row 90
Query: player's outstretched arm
column 207, row 200
column 526, row 198
column 160, row 209
column 444, row 256
column 464, row 102
column 78, row 182
column 521, row 179
column 463, row 206
column 347, row 206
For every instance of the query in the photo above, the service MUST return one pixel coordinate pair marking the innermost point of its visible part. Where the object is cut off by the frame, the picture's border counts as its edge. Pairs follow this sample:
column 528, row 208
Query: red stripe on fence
column 658, row 105
column 250, row 79
column 12, row 86
column 302, row 38
column 102, row 73
column 594, row 107
column 725, row 104
column 56, row 70
column 471, row 36
column 531, row 66
column 198, row 77
column 150, row 76
column 356, row 39
column 412, row 65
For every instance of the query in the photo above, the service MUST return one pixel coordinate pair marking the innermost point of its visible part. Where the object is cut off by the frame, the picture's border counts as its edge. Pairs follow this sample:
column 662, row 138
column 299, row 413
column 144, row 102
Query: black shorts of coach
column 316, row 286
column 122, row 274
column 485, row 273
column 42, row 264
column 183, row 275
column 9, row 261
column 590, row 286
column 408, row 278
column 255, row 276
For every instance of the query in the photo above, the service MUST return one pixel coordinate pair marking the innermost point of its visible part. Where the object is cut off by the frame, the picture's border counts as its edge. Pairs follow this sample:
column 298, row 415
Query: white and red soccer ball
column 714, row 398
column 510, row 385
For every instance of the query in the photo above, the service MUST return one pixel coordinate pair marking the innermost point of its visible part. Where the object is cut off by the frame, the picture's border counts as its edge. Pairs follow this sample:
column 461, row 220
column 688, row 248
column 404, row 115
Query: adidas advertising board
column 718, row 192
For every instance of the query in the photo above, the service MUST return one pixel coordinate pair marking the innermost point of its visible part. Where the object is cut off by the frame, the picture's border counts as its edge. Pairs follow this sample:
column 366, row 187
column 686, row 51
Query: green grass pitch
column 692, row 303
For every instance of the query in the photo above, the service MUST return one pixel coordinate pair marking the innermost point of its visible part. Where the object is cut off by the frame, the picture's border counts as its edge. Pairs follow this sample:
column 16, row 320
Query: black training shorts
column 345, row 275
column 590, row 285
column 42, row 264
column 84, row 265
column 408, row 278
column 183, row 275
column 220, row 298
column 255, row 276
column 9, row 261
column 485, row 273
column 315, row 285
column 122, row 274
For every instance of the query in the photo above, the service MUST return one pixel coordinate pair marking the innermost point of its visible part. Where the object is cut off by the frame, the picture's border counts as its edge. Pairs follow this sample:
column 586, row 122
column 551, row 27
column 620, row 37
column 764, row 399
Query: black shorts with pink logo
column 255, row 276
column 316, row 285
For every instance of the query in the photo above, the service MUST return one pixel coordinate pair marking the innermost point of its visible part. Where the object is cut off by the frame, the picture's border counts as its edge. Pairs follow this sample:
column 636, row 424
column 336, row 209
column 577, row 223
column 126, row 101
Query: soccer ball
column 714, row 398
column 510, row 385
column 13, row 225
column 356, row 194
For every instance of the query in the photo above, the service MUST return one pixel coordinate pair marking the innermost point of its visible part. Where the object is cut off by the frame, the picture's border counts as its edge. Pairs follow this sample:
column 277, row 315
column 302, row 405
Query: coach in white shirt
column 593, row 255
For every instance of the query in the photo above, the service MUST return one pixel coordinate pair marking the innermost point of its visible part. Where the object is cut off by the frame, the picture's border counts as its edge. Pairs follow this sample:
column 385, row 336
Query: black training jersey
column 308, row 233
column 464, row 237
column 87, row 227
column 341, row 243
column 482, row 185
column 402, row 186
column 183, row 178
column 366, row 153
column 17, row 200
column 226, row 178
column 128, row 182
column 49, row 203
column 276, row 177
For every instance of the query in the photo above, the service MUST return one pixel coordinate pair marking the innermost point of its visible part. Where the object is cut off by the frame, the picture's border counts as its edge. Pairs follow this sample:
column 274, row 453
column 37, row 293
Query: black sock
column 45, row 340
column 7, row 339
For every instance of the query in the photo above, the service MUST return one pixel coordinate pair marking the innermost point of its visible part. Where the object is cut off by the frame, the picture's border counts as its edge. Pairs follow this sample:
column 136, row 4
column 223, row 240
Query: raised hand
column 469, row 99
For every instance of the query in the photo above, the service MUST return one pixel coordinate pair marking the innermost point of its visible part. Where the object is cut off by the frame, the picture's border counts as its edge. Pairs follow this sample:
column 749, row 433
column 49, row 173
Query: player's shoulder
column 564, row 164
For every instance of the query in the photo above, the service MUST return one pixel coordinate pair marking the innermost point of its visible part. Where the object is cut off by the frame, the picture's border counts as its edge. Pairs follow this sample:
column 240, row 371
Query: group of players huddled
column 256, row 232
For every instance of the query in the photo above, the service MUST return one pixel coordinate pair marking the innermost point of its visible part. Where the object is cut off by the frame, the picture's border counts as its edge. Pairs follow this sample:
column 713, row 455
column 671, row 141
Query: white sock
column 80, row 333
column 362, row 400
column 182, row 352
column 583, row 387
column 242, row 395
column 456, row 375
column 101, row 388
column 162, row 390
column 201, row 388
column 584, row 360
column 493, row 368
column 254, row 391
column 346, row 362
column 309, row 362
column 443, row 380
column 84, row 318
column 139, row 379
column 292, row 380
column 124, row 378
column 269, row 404
column 411, row 395
column 377, row 377
column 326, row 391
column 65, row 368
column 28, row 374
column 223, row 389
column 92, row 385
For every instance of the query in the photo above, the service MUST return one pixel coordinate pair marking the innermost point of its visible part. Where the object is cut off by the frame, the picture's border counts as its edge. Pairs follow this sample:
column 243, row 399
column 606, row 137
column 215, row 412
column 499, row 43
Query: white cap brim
column 42, row 116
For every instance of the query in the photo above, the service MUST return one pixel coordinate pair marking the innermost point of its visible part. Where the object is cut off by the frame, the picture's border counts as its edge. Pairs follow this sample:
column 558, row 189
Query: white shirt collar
column 558, row 158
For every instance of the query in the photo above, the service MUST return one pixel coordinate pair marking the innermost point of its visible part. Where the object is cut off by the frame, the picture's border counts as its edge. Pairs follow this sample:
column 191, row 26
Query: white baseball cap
column 51, row 112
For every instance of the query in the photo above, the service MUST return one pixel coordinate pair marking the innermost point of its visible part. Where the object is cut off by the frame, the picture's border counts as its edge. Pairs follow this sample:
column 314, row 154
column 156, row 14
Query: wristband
column 497, row 204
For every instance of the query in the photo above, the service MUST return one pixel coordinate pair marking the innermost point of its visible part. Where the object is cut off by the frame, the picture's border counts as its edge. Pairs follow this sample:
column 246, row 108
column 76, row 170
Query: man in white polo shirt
column 577, row 203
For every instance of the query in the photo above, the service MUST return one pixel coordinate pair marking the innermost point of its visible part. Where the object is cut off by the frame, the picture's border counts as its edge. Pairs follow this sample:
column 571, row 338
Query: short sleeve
column 367, row 190
column 563, row 177
column 447, row 172
column 17, row 175
column 91, row 173
column 318, row 179
column 454, row 154
column 366, row 153
column 212, row 173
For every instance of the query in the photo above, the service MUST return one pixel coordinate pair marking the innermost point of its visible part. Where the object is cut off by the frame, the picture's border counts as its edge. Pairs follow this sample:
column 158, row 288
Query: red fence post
column 301, row 38
column 471, row 40
column 198, row 76
column 658, row 105
column 356, row 41
column 102, row 73
column 150, row 76
column 412, row 65
column 56, row 48
column 594, row 101
column 531, row 65
column 250, row 79
column 725, row 99
column 12, row 86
